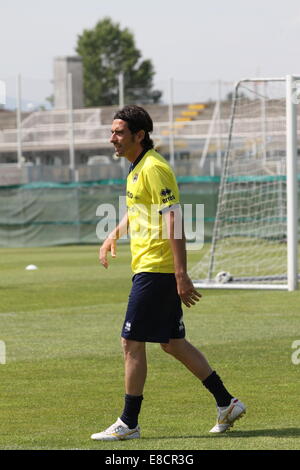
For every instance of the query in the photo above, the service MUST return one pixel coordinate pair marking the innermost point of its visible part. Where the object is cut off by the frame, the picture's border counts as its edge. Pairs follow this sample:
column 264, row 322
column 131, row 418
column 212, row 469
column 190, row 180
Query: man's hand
column 186, row 290
column 185, row 287
column 109, row 244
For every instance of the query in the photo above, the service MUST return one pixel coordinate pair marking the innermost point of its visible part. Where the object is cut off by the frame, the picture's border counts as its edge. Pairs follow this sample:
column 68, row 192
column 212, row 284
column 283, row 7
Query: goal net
column 255, row 234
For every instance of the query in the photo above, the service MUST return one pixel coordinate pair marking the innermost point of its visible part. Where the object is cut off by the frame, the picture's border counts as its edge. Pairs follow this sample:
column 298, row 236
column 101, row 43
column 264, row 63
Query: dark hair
column 137, row 119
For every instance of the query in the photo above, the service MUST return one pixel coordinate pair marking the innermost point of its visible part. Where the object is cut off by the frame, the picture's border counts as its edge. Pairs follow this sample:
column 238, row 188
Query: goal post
column 292, row 182
column 255, row 236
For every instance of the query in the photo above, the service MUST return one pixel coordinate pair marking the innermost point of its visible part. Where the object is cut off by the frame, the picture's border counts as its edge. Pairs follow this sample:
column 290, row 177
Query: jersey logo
column 135, row 177
column 167, row 192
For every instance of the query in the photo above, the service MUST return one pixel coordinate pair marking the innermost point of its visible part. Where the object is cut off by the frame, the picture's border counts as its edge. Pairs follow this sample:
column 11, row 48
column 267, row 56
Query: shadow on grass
column 284, row 432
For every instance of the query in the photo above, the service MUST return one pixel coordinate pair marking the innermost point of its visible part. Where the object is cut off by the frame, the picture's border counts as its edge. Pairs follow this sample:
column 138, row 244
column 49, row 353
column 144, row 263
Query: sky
column 195, row 42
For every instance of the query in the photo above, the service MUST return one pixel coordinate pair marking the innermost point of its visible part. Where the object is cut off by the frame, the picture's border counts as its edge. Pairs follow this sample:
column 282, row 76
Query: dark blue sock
column 214, row 384
column 131, row 410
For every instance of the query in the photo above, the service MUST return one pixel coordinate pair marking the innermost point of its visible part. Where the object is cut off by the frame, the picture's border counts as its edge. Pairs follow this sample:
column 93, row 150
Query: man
column 160, row 281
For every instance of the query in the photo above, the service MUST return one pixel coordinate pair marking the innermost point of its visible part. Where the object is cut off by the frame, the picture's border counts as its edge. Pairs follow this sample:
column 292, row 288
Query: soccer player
column 160, row 283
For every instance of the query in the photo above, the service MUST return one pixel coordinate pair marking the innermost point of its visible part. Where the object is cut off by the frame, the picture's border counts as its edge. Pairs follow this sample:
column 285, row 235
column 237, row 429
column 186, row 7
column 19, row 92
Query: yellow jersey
column 151, row 190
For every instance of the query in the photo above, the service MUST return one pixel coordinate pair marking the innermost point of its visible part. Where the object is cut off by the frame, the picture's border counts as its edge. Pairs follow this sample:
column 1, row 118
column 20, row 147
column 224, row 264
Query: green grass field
column 63, row 376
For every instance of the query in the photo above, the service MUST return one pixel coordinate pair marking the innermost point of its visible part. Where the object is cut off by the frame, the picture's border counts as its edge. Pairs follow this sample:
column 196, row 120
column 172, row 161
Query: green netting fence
column 45, row 214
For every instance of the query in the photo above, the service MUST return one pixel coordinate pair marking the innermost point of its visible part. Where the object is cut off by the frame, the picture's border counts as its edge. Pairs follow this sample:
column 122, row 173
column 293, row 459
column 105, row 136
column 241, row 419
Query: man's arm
column 110, row 244
column 188, row 294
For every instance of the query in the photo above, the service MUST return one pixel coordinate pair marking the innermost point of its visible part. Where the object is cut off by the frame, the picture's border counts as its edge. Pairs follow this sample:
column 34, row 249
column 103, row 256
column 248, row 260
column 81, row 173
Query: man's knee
column 165, row 347
column 169, row 348
column 174, row 346
column 132, row 348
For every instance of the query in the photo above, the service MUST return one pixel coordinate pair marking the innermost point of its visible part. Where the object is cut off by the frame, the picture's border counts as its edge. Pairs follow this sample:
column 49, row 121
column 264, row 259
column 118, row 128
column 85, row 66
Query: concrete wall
column 62, row 67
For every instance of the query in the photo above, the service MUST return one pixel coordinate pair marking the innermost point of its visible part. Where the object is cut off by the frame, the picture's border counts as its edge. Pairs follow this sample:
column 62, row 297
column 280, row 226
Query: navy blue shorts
column 154, row 312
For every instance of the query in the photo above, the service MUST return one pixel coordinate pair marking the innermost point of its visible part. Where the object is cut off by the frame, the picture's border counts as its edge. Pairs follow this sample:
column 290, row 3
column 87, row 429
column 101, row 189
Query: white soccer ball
column 222, row 277
column 31, row 267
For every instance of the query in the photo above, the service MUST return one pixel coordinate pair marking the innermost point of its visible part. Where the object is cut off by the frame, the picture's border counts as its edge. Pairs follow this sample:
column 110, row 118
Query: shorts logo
column 181, row 324
column 127, row 326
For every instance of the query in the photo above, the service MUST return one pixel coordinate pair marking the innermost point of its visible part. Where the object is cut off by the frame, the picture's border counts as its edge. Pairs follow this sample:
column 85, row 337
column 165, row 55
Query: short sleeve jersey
column 151, row 190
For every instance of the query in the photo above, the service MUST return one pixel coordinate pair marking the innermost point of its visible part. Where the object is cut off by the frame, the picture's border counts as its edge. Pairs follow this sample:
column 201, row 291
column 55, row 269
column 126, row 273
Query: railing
column 38, row 134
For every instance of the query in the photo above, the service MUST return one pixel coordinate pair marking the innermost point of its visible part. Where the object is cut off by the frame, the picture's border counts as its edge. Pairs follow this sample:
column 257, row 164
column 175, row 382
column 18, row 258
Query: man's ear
column 140, row 135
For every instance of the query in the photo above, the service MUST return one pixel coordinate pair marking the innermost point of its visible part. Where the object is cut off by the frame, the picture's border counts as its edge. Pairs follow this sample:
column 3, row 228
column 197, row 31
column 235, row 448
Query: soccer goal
column 255, row 236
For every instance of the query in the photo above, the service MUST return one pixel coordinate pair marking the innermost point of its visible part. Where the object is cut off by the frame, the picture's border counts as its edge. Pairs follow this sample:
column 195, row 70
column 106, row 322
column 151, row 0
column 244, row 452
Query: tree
column 107, row 51
column 50, row 100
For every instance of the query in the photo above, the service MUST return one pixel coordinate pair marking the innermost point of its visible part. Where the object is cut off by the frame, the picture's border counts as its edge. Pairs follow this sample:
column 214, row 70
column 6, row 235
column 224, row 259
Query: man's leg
column 135, row 362
column 229, row 409
column 135, row 366
column 196, row 362
column 191, row 357
column 126, row 427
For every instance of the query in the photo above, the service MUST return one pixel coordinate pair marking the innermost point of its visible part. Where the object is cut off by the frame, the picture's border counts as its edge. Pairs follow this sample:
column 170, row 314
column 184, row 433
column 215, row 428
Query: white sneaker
column 118, row 431
column 227, row 416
